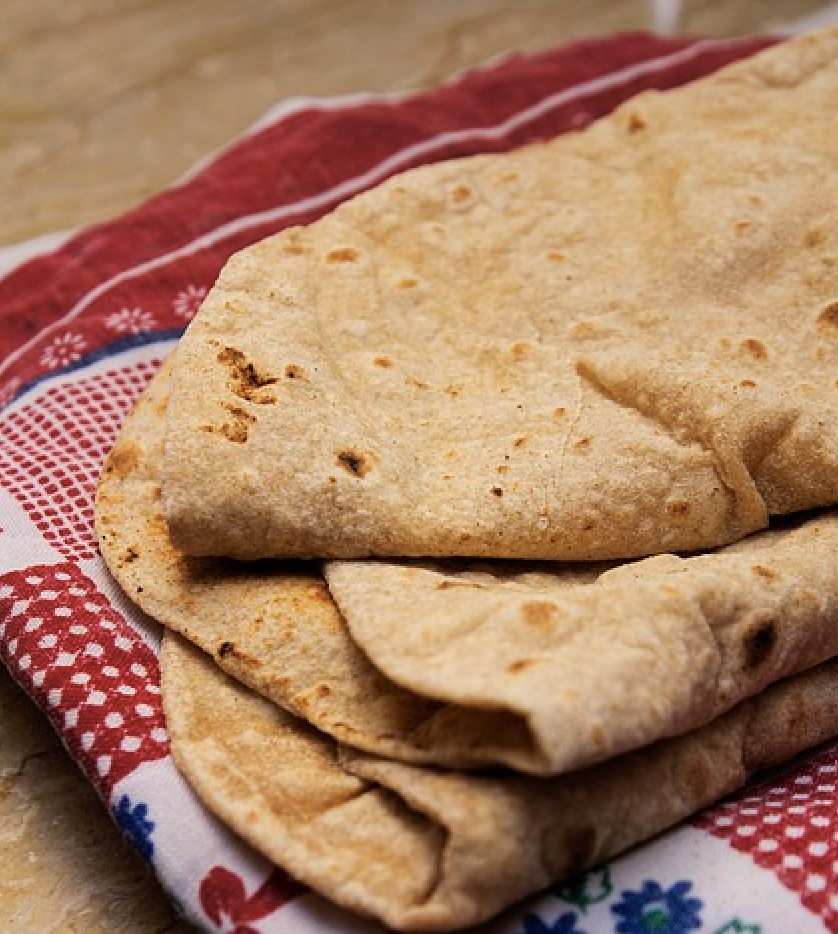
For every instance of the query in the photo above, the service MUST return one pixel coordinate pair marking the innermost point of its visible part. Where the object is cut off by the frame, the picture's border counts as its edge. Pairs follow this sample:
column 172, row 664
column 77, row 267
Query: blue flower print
column 135, row 825
column 654, row 910
column 564, row 924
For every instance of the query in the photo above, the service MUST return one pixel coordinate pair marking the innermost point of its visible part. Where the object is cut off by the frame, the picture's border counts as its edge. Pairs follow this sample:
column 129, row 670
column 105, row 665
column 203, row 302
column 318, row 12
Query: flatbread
column 274, row 625
column 644, row 651
column 619, row 343
column 542, row 670
column 429, row 850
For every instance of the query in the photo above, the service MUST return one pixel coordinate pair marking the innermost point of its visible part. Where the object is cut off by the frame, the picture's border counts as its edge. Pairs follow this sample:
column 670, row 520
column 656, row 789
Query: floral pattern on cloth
column 134, row 821
column 84, row 328
column 655, row 910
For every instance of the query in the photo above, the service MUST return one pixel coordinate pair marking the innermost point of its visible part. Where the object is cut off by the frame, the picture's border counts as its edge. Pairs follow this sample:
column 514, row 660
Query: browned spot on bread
column 759, row 643
column 451, row 584
column 322, row 690
column 497, row 491
column 815, row 237
column 132, row 552
column 597, row 736
column 240, row 413
column 584, row 329
column 742, row 226
column 244, row 380
column 679, row 508
column 520, row 665
column 161, row 406
column 225, row 649
column 294, row 249
column 416, row 383
column 582, row 444
column 354, row 462
column 123, row 459
column 384, row 362
column 345, row 254
column 755, row 348
column 455, row 390
column 236, row 433
column 636, row 123
column 828, row 320
column 520, row 442
column 408, row 283
column 765, row 573
column 460, row 194
column 556, row 256
column 520, row 351
column 295, row 371
column 748, row 384
column 502, row 469
column 538, row 612
column 559, row 412
column 588, row 525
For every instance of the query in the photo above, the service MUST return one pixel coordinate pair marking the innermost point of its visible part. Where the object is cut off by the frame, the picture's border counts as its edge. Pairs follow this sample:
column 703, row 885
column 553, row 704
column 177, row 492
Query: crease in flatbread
column 424, row 849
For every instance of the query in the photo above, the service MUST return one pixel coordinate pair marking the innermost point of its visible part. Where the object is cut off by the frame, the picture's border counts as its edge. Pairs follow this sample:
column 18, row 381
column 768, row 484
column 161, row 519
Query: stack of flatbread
column 495, row 505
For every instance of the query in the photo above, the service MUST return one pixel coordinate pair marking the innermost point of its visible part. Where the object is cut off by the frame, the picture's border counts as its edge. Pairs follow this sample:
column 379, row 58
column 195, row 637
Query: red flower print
column 225, row 901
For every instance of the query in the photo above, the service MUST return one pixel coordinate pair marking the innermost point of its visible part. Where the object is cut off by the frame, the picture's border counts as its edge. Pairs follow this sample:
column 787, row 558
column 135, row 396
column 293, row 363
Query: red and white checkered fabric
column 82, row 330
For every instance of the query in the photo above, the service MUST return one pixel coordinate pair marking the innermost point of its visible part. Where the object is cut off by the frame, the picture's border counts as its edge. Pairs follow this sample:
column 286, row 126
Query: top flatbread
column 618, row 343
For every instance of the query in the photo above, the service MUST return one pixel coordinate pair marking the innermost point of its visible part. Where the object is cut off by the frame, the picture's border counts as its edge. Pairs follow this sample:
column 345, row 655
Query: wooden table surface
column 103, row 103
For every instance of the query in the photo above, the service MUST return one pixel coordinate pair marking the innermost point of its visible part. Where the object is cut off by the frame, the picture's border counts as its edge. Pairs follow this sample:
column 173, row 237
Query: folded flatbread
column 619, row 343
column 430, row 850
column 543, row 670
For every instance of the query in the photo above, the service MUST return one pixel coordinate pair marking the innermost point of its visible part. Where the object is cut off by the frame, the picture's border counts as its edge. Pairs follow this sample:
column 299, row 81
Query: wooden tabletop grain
column 105, row 102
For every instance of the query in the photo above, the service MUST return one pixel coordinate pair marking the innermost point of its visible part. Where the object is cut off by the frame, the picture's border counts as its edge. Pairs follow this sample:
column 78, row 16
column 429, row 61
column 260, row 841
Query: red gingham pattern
column 51, row 452
column 85, row 666
column 791, row 828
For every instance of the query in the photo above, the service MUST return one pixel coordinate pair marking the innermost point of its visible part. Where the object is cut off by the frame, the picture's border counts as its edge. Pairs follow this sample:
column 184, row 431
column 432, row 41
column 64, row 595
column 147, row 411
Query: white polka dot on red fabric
column 54, row 697
column 63, row 612
column 6, row 591
column 126, row 689
column 32, row 624
column 114, row 720
column 48, row 594
column 792, row 861
column 65, row 659
column 817, row 849
column 77, row 630
column 96, row 698
column 110, row 672
column 11, row 646
column 71, row 718
column 144, row 710
column 94, row 650
column 130, row 744
column 103, row 765
column 33, row 580
column 795, row 831
column 768, row 846
column 87, row 740
column 19, row 607
column 139, row 670
column 38, row 678
column 816, row 882
column 122, row 643
column 159, row 735
column 80, row 677
column 48, row 641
